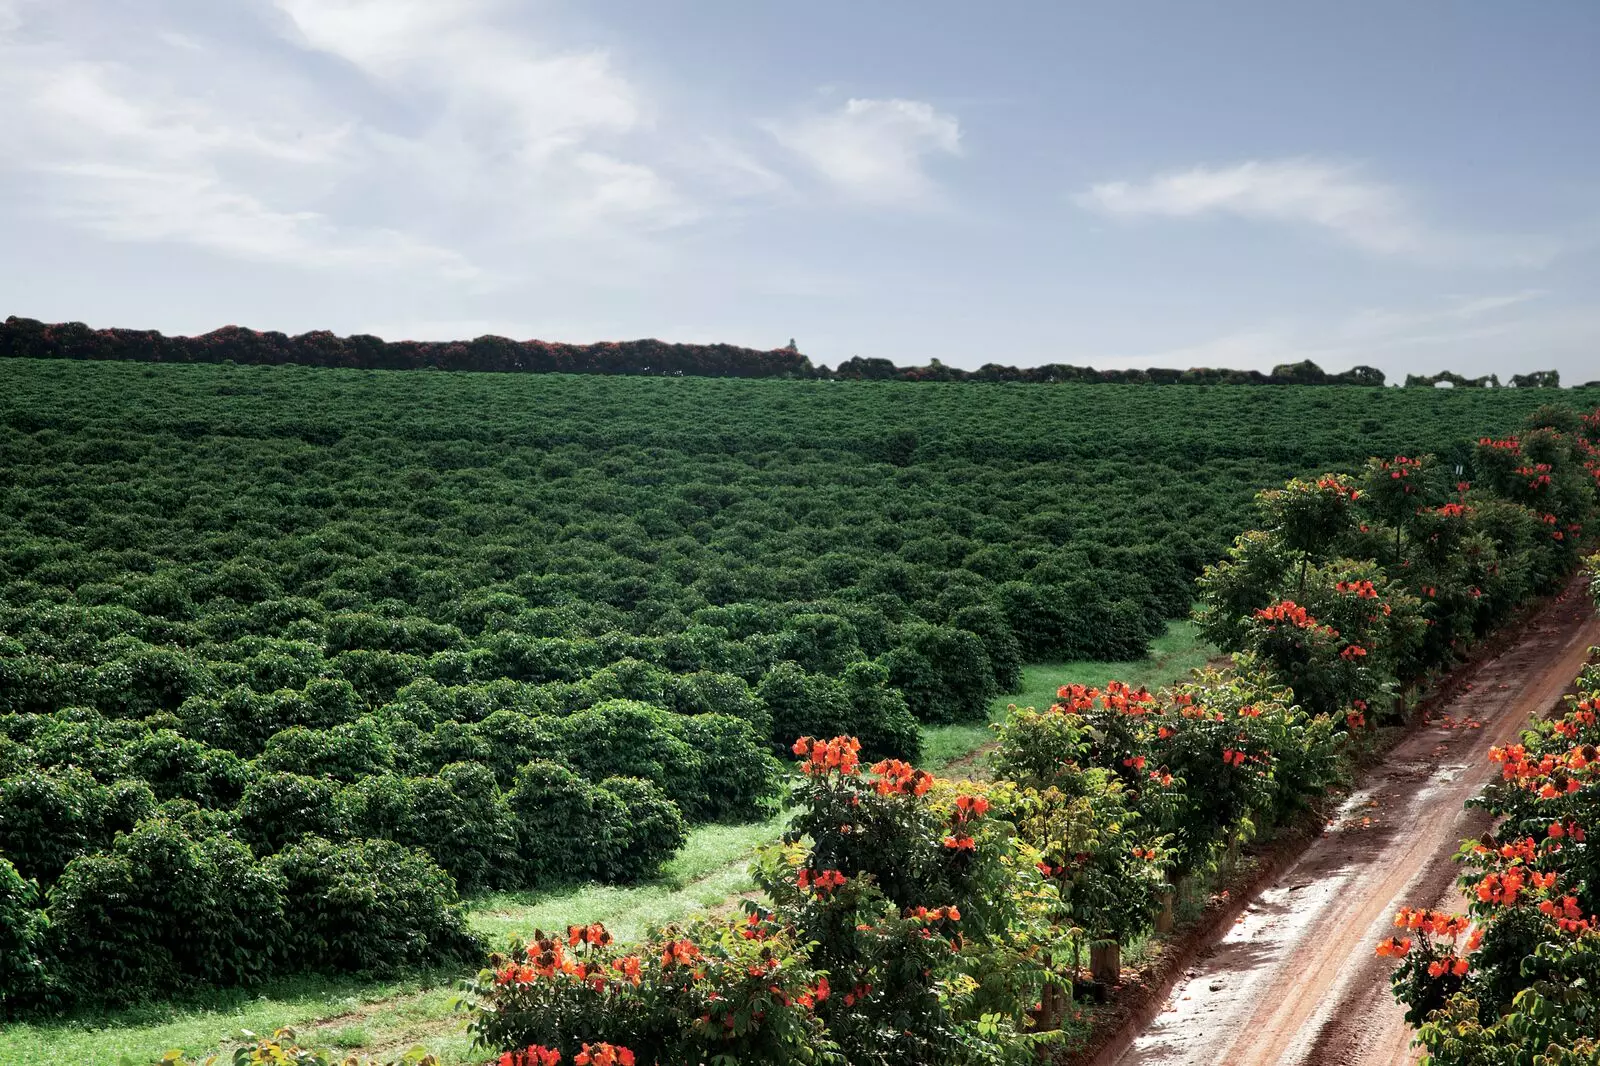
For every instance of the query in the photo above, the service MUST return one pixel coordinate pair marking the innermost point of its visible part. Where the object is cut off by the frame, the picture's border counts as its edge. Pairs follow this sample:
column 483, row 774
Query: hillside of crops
column 291, row 657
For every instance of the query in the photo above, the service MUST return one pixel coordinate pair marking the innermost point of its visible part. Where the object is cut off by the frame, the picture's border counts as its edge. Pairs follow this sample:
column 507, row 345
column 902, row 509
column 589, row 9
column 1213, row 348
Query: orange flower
column 629, row 966
column 1500, row 888
column 960, row 843
column 1287, row 611
column 603, row 1055
column 533, row 1055
column 679, row 952
column 971, row 807
column 1395, row 947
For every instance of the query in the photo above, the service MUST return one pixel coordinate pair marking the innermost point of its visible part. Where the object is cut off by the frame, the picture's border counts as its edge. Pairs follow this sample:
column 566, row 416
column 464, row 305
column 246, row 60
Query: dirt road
column 1295, row 981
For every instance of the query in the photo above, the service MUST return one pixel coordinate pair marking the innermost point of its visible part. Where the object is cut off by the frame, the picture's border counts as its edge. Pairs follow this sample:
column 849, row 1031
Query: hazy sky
column 1415, row 186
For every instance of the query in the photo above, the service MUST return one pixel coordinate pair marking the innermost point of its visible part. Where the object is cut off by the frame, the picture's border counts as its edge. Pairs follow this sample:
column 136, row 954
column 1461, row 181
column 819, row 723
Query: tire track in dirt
column 1295, row 981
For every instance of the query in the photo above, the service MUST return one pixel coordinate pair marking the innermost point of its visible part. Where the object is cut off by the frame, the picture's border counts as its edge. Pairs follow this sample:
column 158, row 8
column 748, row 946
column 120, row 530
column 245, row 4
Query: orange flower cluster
column 1355, row 720
column 1566, row 828
column 1329, row 482
column 1453, row 510
column 1075, row 699
column 679, row 952
column 1353, row 652
column 840, row 753
column 1148, row 854
column 1249, row 710
column 1501, row 889
column 1124, row 700
column 810, row 999
column 856, row 994
column 547, row 957
column 825, row 881
column 1581, row 716
column 1567, row 914
column 1135, row 762
column 1396, row 947
column 896, row 778
column 594, row 935
column 1538, row 475
column 1293, row 613
column 934, row 914
column 629, row 966
column 958, row 843
column 1231, row 757
column 1509, row 444
column 1437, row 923
column 1523, row 849
column 1553, row 775
column 1118, row 697
column 968, row 807
column 1162, row 778
column 532, row 1055
column 1363, row 590
column 1400, row 468
column 603, row 1055
column 1451, row 964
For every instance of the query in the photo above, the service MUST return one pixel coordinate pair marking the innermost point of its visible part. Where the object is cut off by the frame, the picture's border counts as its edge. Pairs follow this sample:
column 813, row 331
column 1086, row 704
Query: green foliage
column 460, row 818
column 162, row 911
column 570, row 829
column 740, row 991
column 369, row 906
column 176, row 767
column 346, row 752
column 651, row 833
column 22, row 932
column 816, row 705
column 48, row 819
column 278, row 809
column 944, row 673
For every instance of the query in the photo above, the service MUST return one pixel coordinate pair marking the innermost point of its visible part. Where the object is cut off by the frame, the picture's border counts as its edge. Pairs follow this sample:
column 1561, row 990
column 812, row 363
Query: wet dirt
column 1295, row 980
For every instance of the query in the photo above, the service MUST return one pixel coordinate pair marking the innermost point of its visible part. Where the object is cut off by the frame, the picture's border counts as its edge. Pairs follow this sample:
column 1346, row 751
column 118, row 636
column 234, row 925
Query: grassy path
column 390, row 1016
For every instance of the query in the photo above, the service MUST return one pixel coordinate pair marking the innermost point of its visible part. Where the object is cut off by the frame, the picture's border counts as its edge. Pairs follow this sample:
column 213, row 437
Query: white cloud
column 875, row 151
column 492, row 87
column 433, row 138
column 1471, row 335
column 1336, row 198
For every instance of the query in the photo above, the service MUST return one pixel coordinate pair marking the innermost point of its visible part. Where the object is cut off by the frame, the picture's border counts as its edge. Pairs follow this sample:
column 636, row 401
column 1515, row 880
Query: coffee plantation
column 290, row 657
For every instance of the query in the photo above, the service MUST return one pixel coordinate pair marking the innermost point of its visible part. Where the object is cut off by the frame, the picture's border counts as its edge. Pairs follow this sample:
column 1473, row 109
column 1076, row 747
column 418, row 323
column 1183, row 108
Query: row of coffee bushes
column 130, row 849
column 1517, row 978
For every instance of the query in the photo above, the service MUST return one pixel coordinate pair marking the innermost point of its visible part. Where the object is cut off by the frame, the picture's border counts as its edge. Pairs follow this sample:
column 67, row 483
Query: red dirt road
column 1295, row 981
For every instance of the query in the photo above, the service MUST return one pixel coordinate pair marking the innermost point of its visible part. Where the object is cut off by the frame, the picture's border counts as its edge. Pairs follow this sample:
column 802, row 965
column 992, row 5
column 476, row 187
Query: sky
column 1121, row 184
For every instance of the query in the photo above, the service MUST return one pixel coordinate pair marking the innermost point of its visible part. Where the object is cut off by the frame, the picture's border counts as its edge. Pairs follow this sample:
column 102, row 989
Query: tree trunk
column 1164, row 917
column 1105, row 962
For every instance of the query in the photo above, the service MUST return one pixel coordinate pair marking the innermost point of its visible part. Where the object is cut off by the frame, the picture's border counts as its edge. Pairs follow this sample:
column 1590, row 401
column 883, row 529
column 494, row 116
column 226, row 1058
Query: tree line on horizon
column 31, row 338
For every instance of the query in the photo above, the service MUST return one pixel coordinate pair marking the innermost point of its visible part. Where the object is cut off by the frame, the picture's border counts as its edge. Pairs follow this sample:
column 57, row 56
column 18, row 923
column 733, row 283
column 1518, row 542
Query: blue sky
column 1413, row 186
